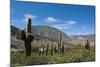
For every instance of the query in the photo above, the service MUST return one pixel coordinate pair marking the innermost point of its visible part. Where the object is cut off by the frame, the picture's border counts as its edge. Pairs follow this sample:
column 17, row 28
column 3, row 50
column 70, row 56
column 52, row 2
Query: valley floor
column 71, row 54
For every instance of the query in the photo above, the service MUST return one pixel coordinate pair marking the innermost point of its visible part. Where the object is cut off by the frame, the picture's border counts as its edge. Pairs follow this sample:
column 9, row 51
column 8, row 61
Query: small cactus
column 27, row 37
column 87, row 45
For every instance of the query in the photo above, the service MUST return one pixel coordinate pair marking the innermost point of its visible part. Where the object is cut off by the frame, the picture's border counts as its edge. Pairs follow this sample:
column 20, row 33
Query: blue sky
column 71, row 19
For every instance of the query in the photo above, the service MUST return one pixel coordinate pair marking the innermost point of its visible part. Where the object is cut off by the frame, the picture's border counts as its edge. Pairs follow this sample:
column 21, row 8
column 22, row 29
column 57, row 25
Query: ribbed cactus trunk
column 47, row 49
column 62, row 49
column 55, row 49
column 43, row 49
column 58, row 48
column 51, row 49
column 27, row 37
column 28, row 48
column 60, row 43
column 28, row 26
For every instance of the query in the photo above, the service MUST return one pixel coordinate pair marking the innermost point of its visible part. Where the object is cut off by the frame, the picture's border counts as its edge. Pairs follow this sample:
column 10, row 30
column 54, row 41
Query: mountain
column 77, row 39
column 47, row 32
column 14, row 31
column 42, row 31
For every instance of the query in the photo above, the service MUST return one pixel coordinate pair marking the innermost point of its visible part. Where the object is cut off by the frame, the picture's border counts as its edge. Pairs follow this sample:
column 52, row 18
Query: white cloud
column 30, row 16
column 66, row 25
column 51, row 19
column 62, row 26
column 71, row 22
column 23, row 19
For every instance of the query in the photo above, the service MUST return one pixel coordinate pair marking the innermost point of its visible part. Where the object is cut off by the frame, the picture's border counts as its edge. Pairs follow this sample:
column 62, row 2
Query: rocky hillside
column 77, row 39
column 53, row 33
column 49, row 32
column 42, row 31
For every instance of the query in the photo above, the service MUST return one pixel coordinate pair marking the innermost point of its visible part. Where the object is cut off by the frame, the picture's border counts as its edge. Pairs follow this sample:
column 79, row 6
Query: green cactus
column 87, row 45
column 27, row 37
column 60, row 39
column 51, row 49
column 62, row 49
column 47, row 49
column 44, row 49
column 55, row 49
column 60, row 43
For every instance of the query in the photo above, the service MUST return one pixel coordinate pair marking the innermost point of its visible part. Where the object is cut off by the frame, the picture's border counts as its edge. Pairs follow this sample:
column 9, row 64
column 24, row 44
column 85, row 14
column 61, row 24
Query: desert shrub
column 20, row 59
column 35, row 49
column 70, row 55
column 88, row 55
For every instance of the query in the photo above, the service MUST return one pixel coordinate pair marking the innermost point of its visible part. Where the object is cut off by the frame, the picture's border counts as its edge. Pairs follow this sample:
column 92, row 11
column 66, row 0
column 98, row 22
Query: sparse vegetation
column 70, row 55
column 48, row 50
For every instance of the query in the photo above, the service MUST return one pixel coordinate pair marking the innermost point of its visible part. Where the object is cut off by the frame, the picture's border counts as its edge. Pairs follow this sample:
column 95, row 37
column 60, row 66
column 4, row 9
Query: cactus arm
column 23, row 35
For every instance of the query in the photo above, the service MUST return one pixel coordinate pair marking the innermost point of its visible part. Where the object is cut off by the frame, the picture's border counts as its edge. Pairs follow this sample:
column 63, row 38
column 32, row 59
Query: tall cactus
column 47, row 49
column 51, row 49
column 60, row 39
column 55, row 49
column 60, row 43
column 43, row 49
column 87, row 45
column 27, row 37
column 62, row 49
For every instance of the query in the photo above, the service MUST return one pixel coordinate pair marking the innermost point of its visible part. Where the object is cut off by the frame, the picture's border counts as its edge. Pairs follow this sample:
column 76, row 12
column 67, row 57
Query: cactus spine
column 27, row 37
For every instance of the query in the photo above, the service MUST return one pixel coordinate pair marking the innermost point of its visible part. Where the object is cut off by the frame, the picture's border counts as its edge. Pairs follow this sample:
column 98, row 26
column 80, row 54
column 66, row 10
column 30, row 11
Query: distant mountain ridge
column 43, row 31
column 53, row 33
